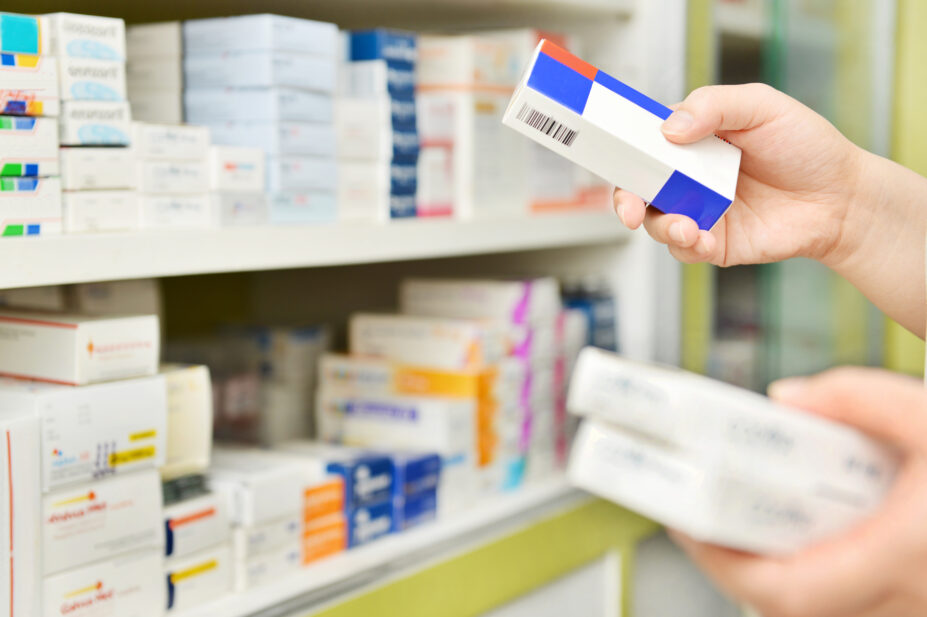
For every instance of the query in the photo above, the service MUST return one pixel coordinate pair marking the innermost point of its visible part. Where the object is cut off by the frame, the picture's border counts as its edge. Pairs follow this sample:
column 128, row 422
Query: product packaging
column 277, row 138
column 198, row 579
column 24, row 34
column 211, row 105
column 29, row 85
column 189, row 419
column 85, row 79
column 98, row 211
column 267, row 567
column 172, row 177
column 88, row 169
column 236, row 169
column 261, row 486
column 165, row 142
column 260, row 32
column 87, row 36
column 230, row 209
column 95, row 123
column 176, row 211
column 30, row 206
column 28, row 146
column 303, row 207
column 259, row 69
column 325, row 537
column 194, row 525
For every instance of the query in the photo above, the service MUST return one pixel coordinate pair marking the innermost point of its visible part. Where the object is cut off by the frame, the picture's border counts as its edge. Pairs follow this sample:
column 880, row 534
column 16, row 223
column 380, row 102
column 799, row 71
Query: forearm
column 882, row 246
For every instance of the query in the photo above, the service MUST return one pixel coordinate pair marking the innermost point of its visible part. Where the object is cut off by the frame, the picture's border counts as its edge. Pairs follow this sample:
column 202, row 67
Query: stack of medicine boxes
column 173, row 175
column 30, row 191
column 94, row 113
column 376, row 127
column 268, row 82
column 154, row 72
column 100, row 437
column 236, row 181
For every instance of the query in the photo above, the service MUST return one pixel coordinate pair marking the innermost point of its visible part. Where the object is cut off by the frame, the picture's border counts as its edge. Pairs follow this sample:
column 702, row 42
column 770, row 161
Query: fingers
column 630, row 208
column 723, row 108
column 889, row 406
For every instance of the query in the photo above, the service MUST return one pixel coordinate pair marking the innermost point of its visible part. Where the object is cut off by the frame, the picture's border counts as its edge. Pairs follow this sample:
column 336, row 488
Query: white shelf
column 365, row 565
column 100, row 257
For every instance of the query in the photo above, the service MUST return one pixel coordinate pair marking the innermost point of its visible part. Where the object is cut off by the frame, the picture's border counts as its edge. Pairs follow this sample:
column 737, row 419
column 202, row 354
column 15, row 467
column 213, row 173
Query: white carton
column 176, row 211
column 365, row 131
column 100, row 520
column 86, row 432
column 236, row 169
column 148, row 76
column 375, row 79
column 454, row 61
column 30, row 206
column 172, row 177
column 365, row 193
column 165, row 142
column 196, row 524
column 157, row 107
column 235, row 209
column 209, row 105
column 87, row 169
column 189, row 420
column 19, row 514
column 87, row 36
column 158, row 40
column 258, row 32
column 95, row 123
column 283, row 138
column 25, row 141
column 77, row 349
column 96, row 211
column 199, row 579
column 128, row 586
column 268, row 567
column 259, row 69
column 260, row 486
column 513, row 301
column 303, row 207
column 283, row 532
column 299, row 173
column 29, row 86
column 84, row 79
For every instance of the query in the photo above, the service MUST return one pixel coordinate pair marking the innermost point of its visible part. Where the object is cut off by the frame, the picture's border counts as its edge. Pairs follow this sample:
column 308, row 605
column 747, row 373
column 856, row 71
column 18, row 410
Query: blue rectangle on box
column 416, row 473
column 368, row 523
column 411, row 511
column 403, row 206
column 392, row 45
column 368, row 479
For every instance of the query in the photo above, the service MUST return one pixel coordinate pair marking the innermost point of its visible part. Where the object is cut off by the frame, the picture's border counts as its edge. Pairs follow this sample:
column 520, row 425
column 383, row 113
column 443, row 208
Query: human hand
column 877, row 569
column 797, row 180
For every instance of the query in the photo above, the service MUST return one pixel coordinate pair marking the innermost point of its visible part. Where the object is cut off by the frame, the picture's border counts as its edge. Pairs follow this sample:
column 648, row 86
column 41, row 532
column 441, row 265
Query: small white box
column 453, row 61
column 87, row 36
column 154, row 75
column 259, row 32
column 189, row 420
column 283, row 138
column 299, row 173
column 236, row 169
column 375, row 79
column 366, row 132
column 259, row 69
column 50, row 298
column 206, row 106
column 237, row 209
column 86, row 433
column 198, row 579
column 157, row 107
column 96, row 211
column 511, row 301
column 29, row 86
column 87, row 169
column 165, row 142
column 268, row 567
column 303, row 207
column 365, row 193
column 194, row 525
column 95, row 123
column 176, row 211
column 30, row 207
column 29, row 141
column 261, row 486
column 248, row 542
column 100, row 520
column 84, row 79
column 77, row 349
column 171, row 177
column 128, row 586
column 158, row 40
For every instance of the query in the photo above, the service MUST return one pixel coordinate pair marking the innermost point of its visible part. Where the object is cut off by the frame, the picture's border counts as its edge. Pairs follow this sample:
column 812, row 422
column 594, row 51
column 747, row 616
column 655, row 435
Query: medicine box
column 28, row 146
column 394, row 46
column 267, row 567
column 87, row 36
column 175, row 211
column 77, row 349
column 151, row 75
column 453, row 61
column 298, row 173
column 95, row 123
column 171, row 177
column 259, row 69
column 377, row 79
column 324, row 537
column 85, row 432
column 366, row 131
column 29, row 85
column 84, row 79
column 248, row 541
column 412, row 511
column 513, row 301
column 131, row 585
column 580, row 112
column 87, row 169
column 198, row 579
column 236, row 169
column 303, row 207
column 157, row 107
column 30, row 206
column 230, row 209
column 158, row 40
column 369, row 523
column 99, row 520
column 211, row 105
column 189, row 419
column 323, row 498
column 24, row 34
column 133, row 296
column 167, row 142
column 96, row 211
column 50, row 298
column 193, row 525
column 260, row 32
column 364, row 194
column 277, row 138
column 260, row 486
column 416, row 473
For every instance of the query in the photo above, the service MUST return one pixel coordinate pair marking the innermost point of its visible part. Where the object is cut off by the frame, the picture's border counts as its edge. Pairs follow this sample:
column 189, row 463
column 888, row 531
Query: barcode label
column 547, row 125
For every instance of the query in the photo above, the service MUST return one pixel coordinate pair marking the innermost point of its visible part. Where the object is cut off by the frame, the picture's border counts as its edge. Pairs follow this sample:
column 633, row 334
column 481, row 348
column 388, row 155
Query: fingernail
column 787, row 389
column 620, row 210
column 678, row 122
column 677, row 234
column 701, row 246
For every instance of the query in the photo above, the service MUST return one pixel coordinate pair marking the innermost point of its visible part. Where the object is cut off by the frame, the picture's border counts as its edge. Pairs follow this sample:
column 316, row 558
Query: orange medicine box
column 322, row 500
column 324, row 537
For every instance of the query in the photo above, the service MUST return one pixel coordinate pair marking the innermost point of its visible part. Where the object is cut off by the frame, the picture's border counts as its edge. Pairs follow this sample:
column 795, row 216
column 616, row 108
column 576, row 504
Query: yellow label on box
column 131, row 456
column 196, row 570
column 149, row 434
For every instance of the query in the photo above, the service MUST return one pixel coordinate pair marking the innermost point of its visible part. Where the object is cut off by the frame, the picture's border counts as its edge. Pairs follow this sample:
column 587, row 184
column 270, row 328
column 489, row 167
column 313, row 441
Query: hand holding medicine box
column 722, row 464
column 612, row 130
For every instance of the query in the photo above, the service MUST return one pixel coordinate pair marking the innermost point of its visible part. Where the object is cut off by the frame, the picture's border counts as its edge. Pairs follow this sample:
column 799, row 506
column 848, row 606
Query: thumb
column 723, row 108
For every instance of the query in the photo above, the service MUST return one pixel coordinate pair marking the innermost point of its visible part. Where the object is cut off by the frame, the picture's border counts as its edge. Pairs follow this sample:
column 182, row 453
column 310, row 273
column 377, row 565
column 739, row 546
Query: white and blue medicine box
column 394, row 46
column 30, row 206
column 414, row 510
column 368, row 479
column 607, row 127
column 87, row 36
column 366, row 524
column 374, row 78
column 416, row 473
column 28, row 146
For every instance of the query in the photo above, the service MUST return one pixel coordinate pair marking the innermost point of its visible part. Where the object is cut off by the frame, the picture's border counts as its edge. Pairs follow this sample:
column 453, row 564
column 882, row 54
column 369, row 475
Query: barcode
column 547, row 125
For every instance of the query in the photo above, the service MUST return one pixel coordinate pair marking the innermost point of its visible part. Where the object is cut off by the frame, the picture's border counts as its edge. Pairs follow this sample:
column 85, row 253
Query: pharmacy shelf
column 66, row 259
column 381, row 560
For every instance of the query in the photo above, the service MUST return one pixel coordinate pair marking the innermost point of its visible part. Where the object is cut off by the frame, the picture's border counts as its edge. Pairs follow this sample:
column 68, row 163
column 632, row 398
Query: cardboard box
column 87, row 36
column 176, row 211
column 259, row 69
column 211, row 105
column 24, row 34
column 366, row 131
column 189, row 420
column 195, row 525
column 166, row 142
column 365, row 191
column 325, row 537
column 198, row 579
column 236, row 169
column 130, row 585
column 580, row 112
column 148, row 76
column 86, row 434
column 84, row 79
column 29, row 146
column 303, row 207
column 267, row 567
column 131, row 297
column 231, row 209
column 95, row 123
column 157, row 107
column 29, row 85
column 76, row 349
column 87, row 169
column 513, row 301
column 261, row 486
column 248, row 542
column 96, row 211
column 259, row 32
column 158, row 40
column 50, row 298
column 97, row 521
column 172, row 177
column 298, row 173
column 283, row 138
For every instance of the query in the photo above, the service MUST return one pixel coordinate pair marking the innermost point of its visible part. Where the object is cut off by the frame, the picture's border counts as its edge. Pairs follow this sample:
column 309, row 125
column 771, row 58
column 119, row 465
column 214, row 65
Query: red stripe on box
column 40, row 322
column 567, row 59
